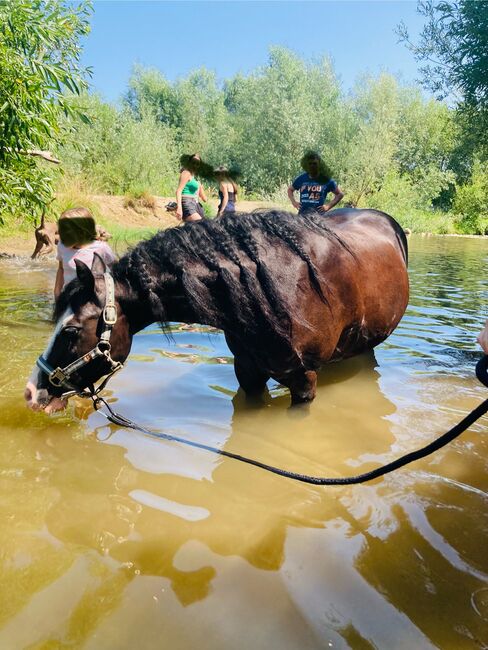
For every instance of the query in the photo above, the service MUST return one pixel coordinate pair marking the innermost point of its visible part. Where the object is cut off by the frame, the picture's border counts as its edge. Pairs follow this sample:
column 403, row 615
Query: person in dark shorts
column 314, row 186
column 189, row 191
column 227, row 191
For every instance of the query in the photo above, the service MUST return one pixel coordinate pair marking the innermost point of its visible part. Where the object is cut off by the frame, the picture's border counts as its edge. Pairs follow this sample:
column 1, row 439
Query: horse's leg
column 302, row 385
column 251, row 379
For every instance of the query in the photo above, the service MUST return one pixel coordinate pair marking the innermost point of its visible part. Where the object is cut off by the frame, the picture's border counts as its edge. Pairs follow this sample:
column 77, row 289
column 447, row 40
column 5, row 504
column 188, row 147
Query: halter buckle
column 58, row 377
column 110, row 314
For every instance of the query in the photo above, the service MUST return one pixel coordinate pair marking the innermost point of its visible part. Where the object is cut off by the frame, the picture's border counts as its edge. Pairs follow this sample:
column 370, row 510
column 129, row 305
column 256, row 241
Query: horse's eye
column 71, row 331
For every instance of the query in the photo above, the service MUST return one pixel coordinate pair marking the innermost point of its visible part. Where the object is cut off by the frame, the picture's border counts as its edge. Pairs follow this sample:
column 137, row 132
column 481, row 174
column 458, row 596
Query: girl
column 227, row 191
column 78, row 241
column 189, row 190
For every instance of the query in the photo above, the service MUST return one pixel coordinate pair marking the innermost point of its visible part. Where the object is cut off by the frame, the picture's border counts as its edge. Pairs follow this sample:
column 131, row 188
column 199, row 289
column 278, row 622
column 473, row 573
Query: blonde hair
column 76, row 227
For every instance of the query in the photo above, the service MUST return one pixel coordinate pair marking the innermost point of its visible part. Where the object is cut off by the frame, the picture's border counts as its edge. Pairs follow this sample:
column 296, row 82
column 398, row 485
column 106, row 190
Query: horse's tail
column 403, row 242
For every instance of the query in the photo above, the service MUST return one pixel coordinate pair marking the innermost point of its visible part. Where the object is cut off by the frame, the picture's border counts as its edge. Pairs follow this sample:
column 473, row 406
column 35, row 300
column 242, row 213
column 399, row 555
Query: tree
column 454, row 48
column 278, row 112
column 119, row 151
column 39, row 65
column 375, row 107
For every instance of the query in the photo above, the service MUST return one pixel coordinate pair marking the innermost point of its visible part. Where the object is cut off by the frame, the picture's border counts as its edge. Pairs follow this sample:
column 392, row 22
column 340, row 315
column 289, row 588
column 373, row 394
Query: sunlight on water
column 112, row 540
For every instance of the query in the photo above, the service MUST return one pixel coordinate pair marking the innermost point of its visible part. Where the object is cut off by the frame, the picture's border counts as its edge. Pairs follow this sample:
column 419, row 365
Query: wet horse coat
column 290, row 292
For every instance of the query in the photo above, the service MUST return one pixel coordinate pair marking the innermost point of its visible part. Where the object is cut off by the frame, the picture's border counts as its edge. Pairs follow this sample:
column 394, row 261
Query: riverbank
column 129, row 220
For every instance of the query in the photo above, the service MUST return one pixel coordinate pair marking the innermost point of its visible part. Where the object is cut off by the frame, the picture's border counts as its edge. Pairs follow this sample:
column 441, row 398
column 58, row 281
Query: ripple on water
column 119, row 543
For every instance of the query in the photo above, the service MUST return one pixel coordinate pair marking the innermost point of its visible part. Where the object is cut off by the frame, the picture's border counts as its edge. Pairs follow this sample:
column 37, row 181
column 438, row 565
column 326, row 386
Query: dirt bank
column 117, row 217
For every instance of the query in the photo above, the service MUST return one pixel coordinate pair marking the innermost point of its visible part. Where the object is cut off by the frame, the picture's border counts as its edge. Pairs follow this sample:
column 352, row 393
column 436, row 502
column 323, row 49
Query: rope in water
column 441, row 441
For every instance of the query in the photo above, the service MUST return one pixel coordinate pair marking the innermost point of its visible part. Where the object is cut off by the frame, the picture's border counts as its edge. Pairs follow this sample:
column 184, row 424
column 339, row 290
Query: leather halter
column 59, row 377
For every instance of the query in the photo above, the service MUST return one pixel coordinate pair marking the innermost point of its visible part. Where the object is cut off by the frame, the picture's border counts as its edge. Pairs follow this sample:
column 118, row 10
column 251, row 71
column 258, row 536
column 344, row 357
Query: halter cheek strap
column 59, row 377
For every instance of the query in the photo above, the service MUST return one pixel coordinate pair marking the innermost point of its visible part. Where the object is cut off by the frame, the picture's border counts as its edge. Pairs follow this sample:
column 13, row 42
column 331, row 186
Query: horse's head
column 91, row 340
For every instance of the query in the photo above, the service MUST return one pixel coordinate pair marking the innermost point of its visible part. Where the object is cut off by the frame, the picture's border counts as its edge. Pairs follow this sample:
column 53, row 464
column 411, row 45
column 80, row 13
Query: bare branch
column 45, row 155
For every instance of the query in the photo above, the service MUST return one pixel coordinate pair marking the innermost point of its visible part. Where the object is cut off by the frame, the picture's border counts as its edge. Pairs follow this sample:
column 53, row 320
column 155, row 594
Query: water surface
column 113, row 540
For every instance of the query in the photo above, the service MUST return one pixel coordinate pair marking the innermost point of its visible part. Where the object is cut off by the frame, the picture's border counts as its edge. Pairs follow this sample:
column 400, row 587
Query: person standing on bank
column 314, row 185
column 227, row 191
column 189, row 190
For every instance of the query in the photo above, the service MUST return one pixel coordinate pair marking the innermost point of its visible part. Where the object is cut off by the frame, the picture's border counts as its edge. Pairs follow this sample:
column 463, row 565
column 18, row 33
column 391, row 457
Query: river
column 111, row 540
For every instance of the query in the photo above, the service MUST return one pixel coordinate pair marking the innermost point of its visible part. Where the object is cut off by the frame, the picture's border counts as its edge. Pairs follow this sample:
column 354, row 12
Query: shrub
column 138, row 199
column 470, row 203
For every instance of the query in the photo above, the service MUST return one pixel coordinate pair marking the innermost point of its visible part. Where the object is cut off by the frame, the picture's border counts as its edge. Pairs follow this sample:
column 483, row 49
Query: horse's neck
column 176, row 308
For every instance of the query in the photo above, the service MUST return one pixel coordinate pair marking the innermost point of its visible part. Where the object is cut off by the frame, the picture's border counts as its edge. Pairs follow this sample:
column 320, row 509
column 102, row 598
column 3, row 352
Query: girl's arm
column 201, row 194
column 225, row 197
column 338, row 196
column 483, row 338
column 184, row 178
column 58, row 283
column 291, row 195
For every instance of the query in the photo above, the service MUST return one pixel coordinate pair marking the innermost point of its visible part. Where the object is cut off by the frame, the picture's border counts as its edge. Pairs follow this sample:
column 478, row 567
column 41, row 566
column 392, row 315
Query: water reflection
column 108, row 545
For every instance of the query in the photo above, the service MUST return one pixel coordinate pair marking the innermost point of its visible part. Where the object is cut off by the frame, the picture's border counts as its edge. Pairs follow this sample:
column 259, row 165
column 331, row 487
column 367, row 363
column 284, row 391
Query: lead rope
column 466, row 422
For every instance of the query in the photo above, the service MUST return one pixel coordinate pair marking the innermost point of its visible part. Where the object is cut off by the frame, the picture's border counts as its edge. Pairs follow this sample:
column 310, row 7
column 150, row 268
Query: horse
column 290, row 292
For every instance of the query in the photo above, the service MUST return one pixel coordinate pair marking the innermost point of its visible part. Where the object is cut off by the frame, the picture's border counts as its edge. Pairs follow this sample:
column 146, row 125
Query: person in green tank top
column 189, row 191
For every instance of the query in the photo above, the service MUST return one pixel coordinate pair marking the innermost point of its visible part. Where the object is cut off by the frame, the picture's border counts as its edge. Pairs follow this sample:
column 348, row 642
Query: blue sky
column 231, row 36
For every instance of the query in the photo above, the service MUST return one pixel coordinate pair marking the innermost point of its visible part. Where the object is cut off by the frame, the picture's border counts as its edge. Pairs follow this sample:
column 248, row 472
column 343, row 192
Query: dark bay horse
column 291, row 293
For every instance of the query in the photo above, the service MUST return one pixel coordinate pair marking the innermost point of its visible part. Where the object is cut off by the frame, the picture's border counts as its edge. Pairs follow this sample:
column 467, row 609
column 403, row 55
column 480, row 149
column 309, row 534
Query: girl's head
column 223, row 175
column 313, row 164
column 77, row 227
column 191, row 162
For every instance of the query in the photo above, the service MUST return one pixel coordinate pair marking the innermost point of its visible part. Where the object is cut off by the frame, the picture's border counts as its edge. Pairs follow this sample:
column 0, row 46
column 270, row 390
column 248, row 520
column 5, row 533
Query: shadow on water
column 112, row 545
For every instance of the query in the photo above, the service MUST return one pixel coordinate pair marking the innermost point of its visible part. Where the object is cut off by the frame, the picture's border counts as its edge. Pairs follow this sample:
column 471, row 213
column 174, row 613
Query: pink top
column 68, row 256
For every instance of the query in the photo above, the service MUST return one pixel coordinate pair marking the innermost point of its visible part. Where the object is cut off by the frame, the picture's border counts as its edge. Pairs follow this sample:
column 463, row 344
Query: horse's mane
column 247, row 299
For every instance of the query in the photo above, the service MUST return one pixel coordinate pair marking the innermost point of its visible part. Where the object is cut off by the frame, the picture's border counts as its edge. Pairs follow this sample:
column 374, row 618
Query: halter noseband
column 59, row 377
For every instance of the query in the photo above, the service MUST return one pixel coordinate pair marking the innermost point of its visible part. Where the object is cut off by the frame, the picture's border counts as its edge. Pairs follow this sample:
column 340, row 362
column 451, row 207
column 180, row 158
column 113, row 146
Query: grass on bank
column 137, row 205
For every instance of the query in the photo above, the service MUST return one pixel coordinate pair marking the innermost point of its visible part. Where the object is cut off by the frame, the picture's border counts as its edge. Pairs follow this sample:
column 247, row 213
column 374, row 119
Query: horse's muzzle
column 38, row 399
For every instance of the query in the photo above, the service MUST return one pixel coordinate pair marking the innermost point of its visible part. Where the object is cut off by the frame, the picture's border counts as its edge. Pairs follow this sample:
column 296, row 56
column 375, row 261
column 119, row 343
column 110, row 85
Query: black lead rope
column 481, row 373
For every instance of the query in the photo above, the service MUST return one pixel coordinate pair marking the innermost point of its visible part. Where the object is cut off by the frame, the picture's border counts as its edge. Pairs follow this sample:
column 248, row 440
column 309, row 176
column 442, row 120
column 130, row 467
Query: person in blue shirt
column 314, row 185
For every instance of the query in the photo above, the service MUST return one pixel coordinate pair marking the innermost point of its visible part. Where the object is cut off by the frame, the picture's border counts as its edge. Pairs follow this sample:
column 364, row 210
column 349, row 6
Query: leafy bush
column 471, row 201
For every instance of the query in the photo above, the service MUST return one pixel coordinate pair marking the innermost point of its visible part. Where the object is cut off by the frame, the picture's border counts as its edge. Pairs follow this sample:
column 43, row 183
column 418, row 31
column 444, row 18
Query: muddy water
column 112, row 540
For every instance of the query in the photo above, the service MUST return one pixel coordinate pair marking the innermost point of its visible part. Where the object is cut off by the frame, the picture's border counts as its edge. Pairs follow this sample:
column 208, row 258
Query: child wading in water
column 78, row 241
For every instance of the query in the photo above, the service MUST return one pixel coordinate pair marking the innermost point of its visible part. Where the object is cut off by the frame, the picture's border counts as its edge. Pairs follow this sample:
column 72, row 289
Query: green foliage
column 39, row 64
column 277, row 113
column 471, row 202
column 453, row 46
column 375, row 109
column 386, row 146
column 118, row 153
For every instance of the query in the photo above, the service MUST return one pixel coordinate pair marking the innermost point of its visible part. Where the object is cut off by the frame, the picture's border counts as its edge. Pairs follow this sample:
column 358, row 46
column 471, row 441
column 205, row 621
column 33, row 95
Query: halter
column 59, row 377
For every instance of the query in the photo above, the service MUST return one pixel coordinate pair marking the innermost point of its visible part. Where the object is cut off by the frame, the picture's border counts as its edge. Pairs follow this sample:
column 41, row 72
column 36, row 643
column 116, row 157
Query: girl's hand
column 483, row 338
column 179, row 214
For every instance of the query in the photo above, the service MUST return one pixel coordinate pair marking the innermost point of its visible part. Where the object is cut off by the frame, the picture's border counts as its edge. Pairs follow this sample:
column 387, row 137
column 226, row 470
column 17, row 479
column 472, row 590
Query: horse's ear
column 85, row 276
column 98, row 265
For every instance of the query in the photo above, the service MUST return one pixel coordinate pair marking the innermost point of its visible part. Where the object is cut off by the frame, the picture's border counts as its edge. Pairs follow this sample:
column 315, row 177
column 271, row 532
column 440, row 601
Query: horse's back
column 376, row 225
column 362, row 263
